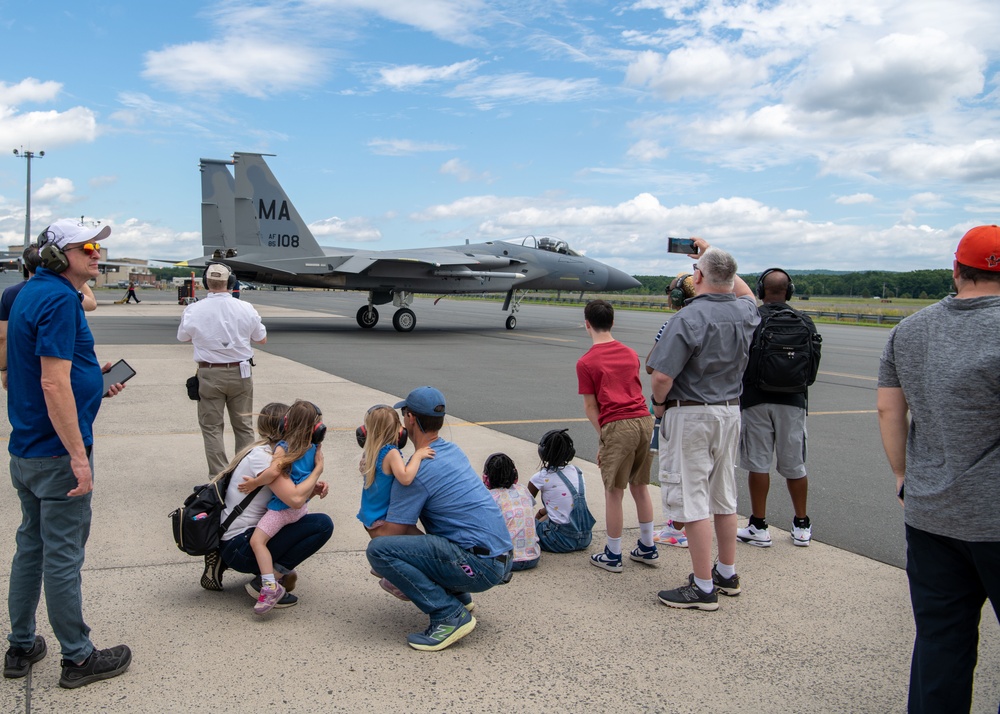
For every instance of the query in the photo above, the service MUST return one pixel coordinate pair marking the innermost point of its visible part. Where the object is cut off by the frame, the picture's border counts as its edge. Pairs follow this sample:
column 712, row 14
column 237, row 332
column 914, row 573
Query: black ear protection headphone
column 319, row 431
column 52, row 256
column 760, row 284
column 675, row 291
column 361, row 433
column 546, row 451
column 230, row 281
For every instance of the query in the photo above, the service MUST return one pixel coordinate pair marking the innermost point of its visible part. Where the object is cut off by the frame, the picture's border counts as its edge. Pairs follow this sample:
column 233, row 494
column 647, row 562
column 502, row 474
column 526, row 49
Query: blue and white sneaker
column 442, row 634
column 642, row 554
column 607, row 560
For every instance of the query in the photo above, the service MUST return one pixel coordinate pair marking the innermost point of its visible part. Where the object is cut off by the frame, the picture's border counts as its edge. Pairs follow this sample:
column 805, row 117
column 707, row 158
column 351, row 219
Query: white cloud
column 646, row 150
column 898, row 75
column 253, row 66
column 45, row 130
column 694, row 71
column 518, row 88
column 412, row 75
column 462, row 172
column 454, row 20
column 855, row 198
column 355, row 230
column 28, row 90
column 405, row 147
column 55, row 190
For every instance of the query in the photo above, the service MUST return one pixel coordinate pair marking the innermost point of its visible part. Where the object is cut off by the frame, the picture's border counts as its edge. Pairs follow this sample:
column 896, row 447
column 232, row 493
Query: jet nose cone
column 618, row 280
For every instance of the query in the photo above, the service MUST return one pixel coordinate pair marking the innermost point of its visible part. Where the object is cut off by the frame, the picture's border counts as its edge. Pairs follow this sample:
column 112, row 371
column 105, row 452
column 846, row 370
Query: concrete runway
column 816, row 629
column 523, row 382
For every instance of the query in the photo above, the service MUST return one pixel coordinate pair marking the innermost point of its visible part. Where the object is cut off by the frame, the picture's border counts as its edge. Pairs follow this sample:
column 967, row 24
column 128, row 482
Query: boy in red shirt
column 608, row 375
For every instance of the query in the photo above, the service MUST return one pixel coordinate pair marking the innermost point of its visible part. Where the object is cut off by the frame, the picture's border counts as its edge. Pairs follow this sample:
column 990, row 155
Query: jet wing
column 383, row 261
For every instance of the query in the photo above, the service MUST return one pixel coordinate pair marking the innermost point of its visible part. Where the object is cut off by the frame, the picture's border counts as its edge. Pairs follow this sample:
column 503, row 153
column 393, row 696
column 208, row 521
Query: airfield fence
column 648, row 303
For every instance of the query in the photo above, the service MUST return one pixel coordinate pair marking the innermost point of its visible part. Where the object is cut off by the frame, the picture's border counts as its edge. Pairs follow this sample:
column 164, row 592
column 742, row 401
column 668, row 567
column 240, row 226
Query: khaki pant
column 222, row 388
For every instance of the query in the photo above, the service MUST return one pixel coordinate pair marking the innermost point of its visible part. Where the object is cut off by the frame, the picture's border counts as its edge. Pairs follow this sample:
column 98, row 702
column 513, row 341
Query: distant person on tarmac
column 131, row 293
column 221, row 332
column 938, row 410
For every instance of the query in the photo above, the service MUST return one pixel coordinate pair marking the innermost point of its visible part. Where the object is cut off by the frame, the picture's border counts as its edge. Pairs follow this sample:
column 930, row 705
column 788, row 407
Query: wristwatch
column 652, row 398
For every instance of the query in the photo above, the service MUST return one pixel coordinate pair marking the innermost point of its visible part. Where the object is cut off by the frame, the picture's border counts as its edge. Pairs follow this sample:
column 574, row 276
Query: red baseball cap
column 980, row 248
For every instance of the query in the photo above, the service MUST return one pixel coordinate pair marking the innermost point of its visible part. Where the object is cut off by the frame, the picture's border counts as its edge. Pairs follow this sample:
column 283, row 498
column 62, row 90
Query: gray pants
column 50, row 549
column 221, row 389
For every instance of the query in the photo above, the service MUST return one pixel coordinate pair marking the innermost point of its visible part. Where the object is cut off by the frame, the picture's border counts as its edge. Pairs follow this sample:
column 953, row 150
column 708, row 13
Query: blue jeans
column 520, row 565
column 50, row 548
column 561, row 537
column 289, row 547
column 430, row 569
column 950, row 581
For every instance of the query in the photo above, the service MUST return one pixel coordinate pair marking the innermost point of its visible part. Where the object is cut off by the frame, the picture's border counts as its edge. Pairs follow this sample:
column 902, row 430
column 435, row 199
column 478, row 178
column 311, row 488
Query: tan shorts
column 624, row 449
column 698, row 449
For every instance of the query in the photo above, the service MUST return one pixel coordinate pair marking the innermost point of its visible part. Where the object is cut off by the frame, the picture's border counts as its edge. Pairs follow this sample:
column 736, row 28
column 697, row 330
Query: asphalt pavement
column 817, row 629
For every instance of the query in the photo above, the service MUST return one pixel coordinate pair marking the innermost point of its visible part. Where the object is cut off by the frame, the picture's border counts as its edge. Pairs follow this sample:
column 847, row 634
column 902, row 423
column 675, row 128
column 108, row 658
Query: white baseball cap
column 218, row 271
column 68, row 231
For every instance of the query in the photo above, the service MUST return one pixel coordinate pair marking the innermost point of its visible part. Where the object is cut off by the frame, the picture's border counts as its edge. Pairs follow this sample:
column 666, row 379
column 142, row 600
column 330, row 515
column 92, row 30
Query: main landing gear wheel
column 404, row 320
column 511, row 322
column 368, row 317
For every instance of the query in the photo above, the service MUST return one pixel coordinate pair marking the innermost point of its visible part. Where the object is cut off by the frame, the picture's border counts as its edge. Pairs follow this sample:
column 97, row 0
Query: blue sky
column 850, row 135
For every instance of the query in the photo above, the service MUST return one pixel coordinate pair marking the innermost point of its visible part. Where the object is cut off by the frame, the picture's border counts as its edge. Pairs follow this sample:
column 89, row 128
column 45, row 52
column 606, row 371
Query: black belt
column 689, row 403
column 485, row 553
column 224, row 364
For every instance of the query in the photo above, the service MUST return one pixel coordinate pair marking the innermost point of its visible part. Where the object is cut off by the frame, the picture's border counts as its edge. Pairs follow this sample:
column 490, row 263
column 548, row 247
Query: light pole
column 28, row 155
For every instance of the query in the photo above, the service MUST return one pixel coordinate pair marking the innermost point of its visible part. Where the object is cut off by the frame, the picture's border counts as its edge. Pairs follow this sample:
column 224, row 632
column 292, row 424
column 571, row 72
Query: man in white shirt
column 221, row 330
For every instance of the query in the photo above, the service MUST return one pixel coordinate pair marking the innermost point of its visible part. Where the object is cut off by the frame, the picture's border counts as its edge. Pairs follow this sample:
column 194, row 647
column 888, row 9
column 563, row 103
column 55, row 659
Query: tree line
column 923, row 284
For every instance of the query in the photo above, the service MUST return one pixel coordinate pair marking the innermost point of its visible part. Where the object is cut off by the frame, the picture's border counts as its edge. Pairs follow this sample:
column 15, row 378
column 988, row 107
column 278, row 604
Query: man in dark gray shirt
column 698, row 368
column 942, row 367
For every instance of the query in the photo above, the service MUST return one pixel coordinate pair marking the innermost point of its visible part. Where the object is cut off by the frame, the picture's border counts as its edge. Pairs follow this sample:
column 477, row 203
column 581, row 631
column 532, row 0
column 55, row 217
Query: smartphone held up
column 681, row 245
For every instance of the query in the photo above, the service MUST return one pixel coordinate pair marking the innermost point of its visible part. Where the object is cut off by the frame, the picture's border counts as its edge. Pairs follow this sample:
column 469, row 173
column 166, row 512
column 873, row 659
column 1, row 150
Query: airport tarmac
column 821, row 629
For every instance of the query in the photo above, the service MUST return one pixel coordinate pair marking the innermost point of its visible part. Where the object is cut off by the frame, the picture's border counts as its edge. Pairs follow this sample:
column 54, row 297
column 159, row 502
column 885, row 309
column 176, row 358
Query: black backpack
column 785, row 353
column 198, row 525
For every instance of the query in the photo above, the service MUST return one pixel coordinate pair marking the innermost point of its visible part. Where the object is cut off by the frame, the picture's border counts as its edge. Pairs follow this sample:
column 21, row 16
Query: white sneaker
column 671, row 536
column 754, row 536
column 802, row 536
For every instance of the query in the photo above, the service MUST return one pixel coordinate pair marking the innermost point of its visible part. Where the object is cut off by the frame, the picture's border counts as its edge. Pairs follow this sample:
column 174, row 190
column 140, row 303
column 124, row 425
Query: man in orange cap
column 941, row 366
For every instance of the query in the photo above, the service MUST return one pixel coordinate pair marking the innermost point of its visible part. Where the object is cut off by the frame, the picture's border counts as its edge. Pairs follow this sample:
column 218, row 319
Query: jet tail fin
column 265, row 218
column 218, row 223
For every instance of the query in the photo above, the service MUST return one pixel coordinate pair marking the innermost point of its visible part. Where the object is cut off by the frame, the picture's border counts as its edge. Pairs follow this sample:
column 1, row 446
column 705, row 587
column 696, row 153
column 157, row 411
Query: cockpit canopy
column 553, row 245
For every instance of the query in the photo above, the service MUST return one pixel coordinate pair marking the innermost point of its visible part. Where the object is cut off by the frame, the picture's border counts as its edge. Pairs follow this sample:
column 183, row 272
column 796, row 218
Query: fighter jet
column 250, row 224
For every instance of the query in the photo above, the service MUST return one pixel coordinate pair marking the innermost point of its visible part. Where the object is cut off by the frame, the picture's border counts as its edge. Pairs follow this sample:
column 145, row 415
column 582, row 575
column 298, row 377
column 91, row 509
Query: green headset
column 676, row 294
column 51, row 255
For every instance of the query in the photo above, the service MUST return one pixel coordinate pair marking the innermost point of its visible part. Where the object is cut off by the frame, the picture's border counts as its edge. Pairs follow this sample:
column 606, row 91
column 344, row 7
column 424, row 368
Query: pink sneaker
column 671, row 536
column 268, row 597
column 392, row 589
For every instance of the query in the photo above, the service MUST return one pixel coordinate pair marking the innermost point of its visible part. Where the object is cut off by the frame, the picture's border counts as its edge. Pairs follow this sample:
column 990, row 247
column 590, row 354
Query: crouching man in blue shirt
column 466, row 548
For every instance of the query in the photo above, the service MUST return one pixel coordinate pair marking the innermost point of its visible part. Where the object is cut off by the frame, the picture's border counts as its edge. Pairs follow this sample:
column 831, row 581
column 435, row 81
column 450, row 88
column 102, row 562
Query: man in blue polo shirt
column 55, row 390
column 466, row 548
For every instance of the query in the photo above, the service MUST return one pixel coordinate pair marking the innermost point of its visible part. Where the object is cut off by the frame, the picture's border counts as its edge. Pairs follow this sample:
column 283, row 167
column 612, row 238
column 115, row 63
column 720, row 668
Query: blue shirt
column 47, row 320
column 375, row 498
column 7, row 299
column 299, row 472
column 449, row 498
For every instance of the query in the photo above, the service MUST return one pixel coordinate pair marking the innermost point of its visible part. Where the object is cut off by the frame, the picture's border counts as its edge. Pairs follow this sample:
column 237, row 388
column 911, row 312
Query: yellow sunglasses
column 89, row 248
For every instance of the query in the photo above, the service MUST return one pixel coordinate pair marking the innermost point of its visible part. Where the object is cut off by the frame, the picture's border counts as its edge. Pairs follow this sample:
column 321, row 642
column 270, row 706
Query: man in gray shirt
column 942, row 367
column 698, row 368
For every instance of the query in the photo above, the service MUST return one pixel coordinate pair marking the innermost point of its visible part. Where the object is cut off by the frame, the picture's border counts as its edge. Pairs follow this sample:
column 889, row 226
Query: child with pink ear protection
column 516, row 504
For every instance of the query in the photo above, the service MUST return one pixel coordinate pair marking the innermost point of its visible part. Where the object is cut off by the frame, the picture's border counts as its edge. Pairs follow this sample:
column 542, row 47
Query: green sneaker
column 442, row 634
